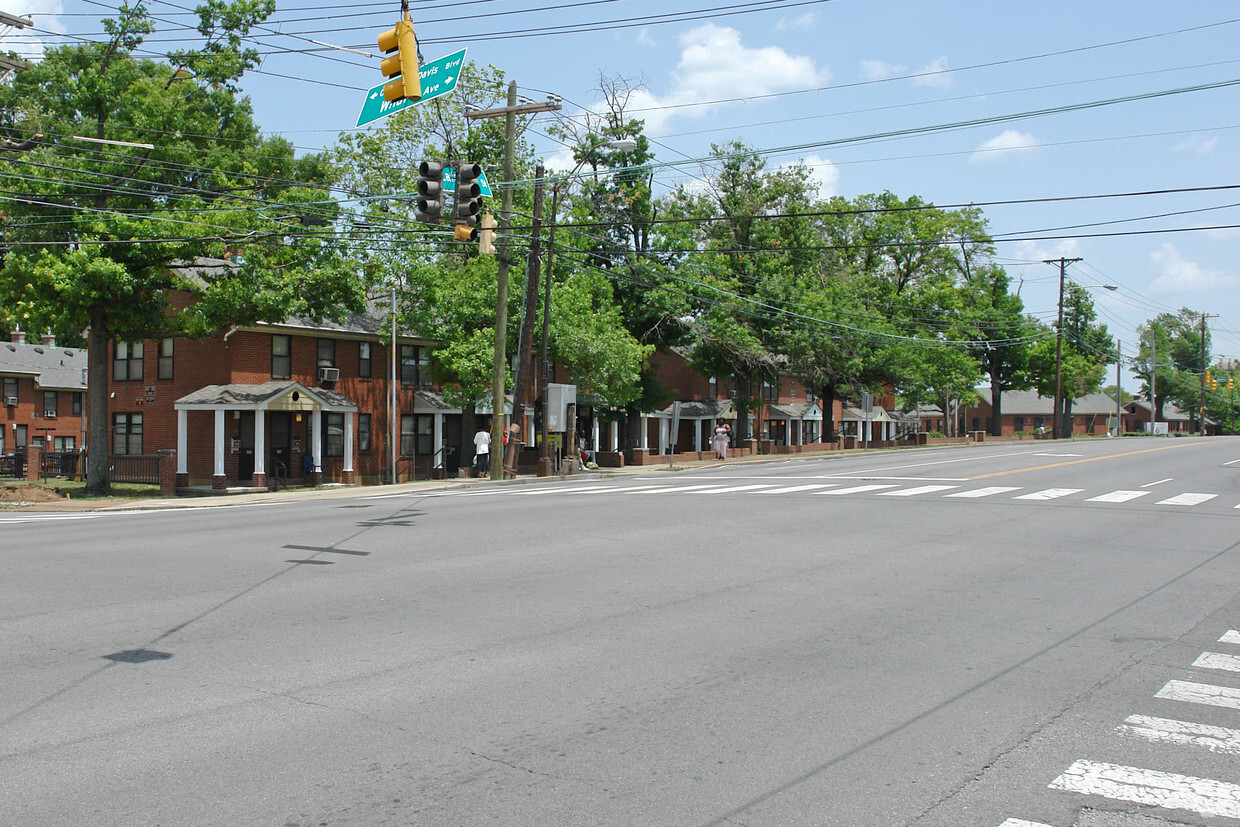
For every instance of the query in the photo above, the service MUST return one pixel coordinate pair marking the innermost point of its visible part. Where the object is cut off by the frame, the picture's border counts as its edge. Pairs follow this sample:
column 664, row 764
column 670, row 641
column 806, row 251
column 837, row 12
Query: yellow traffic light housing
column 403, row 65
column 463, row 232
column 486, row 235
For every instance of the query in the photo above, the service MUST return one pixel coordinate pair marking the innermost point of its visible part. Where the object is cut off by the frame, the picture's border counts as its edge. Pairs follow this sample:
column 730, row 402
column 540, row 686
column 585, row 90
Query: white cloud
column 1179, row 275
column 824, row 175
column 934, row 74
column 715, row 65
column 44, row 14
column 1033, row 251
column 1196, row 145
column 879, row 70
column 797, row 24
column 644, row 38
column 1003, row 144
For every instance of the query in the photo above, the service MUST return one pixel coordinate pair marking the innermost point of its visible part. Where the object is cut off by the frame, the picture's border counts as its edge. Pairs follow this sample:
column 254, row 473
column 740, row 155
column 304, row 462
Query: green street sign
column 437, row 77
column 449, row 181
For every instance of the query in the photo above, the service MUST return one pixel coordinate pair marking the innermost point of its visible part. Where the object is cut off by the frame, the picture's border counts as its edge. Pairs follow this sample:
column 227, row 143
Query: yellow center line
column 1184, row 444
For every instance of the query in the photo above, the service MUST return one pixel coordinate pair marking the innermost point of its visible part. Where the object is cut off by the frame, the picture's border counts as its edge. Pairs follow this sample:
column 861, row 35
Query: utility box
column 559, row 397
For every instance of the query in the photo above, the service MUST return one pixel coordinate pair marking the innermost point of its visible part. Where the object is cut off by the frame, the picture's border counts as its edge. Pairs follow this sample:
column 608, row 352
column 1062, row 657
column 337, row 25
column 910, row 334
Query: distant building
column 43, row 395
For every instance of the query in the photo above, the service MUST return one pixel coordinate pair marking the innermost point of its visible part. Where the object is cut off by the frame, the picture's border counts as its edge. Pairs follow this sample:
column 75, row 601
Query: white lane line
column 895, row 479
column 856, row 489
column 730, row 489
column 1020, row 822
column 1157, row 482
column 795, row 488
column 43, row 518
column 1233, row 462
column 922, row 489
column 985, row 492
column 1200, row 693
column 1187, row 499
column 1150, row 787
column 1049, row 494
column 1217, row 660
column 945, row 462
column 1120, row 496
column 1230, row 636
column 1188, row 733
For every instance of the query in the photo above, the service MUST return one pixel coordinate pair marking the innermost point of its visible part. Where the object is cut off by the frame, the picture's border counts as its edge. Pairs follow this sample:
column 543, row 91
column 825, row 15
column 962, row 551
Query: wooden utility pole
column 523, row 386
column 509, row 113
column 1057, row 422
column 1202, row 409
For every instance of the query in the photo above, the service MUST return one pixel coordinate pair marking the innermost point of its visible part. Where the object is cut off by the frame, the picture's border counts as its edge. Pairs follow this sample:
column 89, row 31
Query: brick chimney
column 48, row 339
column 17, row 337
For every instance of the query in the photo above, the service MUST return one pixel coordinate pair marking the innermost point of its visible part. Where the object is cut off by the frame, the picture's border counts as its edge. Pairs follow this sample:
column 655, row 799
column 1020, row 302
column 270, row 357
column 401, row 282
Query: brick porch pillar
column 34, row 462
column 168, row 472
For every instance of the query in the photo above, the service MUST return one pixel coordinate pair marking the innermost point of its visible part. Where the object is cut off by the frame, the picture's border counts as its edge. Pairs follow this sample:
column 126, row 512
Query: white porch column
column 219, row 442
column 664, row 428
column 643, row 434
column 437, row 441
column 182, row 441
column 614, row 441
column 697, row 435
column 316, row 447
column 348, row 441
column 594, row 445
column 260, row 442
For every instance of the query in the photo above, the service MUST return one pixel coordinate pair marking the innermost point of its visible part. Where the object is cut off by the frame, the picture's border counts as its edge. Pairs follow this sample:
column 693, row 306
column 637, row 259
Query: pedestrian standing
column 482, row 451
column 719, row 441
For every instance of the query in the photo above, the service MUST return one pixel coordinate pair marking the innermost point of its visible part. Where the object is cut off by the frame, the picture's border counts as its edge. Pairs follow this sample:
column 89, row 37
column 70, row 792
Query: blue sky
column 816, row 81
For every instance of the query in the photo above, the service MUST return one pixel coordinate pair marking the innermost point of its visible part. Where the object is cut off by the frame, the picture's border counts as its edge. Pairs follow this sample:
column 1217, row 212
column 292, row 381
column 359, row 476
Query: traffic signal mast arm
column 403, row 65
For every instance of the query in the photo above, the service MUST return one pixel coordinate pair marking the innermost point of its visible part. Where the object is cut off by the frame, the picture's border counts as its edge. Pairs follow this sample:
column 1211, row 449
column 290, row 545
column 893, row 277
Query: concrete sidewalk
column 351, row 491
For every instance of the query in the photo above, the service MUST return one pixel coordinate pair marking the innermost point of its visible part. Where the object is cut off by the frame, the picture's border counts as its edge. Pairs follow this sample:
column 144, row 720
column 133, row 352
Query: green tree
column 1171, row 348
column 1087, row 349
column 174, row 168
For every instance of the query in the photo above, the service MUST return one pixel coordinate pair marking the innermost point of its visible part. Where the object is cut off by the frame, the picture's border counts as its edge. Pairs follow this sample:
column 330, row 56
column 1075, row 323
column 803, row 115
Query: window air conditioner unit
column 49, row 414
column 10, row 400
column 329, row 374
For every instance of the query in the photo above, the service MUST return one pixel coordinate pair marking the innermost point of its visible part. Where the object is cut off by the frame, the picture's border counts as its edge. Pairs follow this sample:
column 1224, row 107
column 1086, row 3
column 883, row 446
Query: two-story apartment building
column 42, row 394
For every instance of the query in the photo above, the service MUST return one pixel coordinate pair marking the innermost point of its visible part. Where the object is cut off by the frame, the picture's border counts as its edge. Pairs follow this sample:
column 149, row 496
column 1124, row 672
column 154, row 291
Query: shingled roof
column 53, row 368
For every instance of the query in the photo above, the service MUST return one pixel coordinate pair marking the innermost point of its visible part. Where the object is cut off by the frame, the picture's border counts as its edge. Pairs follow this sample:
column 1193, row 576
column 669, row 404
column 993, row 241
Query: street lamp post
column 624, row 145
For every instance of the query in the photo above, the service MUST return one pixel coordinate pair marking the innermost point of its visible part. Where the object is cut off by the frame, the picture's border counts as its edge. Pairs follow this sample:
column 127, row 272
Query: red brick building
column 42, row 391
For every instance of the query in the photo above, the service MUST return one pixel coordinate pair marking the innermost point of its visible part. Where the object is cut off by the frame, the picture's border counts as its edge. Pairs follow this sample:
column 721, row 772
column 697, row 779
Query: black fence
column 13, row 465
column 135, row 469
column 61, row 464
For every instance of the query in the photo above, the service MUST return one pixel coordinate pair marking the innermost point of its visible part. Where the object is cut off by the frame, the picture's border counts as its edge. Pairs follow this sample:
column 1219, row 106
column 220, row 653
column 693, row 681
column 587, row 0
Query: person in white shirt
column 482, row 451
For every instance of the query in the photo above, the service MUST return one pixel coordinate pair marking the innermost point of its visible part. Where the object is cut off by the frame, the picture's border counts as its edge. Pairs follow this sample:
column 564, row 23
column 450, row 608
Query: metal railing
column 141, row 469
column 62, row 464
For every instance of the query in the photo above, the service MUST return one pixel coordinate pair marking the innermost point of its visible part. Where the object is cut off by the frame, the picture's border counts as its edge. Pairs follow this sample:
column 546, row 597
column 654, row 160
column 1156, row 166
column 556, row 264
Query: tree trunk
column 827, row 393
column 97, row 443
column 996, row 398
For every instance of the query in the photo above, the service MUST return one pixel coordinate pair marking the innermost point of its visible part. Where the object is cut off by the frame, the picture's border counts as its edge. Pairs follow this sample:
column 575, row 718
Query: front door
column 245, row 462
column 280, row 443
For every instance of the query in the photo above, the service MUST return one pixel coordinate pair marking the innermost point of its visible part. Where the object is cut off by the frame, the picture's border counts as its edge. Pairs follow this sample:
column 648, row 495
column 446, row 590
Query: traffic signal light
column 486, row 235
column 464, row 232
column 468, row 194
column 1231, row 383
column 430, row 192
column 403, row 65
column 1209, row 378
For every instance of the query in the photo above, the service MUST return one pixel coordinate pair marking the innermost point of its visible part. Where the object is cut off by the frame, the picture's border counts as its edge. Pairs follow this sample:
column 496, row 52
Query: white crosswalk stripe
column 1020, row 822
column 731, row 489
column 795, row 488
column 985, row 492
column 1217, row 660
column 1049, row 494
column 1188, row 733
column 1151, row 787
column 858, row 489
column 1187, row 499
column 1117, row 497
column 1200, row 693
column 921, row 489
column 1231, row 636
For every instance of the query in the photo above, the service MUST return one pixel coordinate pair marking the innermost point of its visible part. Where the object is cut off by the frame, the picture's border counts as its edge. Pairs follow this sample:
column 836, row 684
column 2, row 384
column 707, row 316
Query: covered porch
column 274, row 429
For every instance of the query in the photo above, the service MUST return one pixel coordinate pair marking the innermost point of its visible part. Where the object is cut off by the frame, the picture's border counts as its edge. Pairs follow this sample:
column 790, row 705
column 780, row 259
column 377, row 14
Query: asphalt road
column 940, row 637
